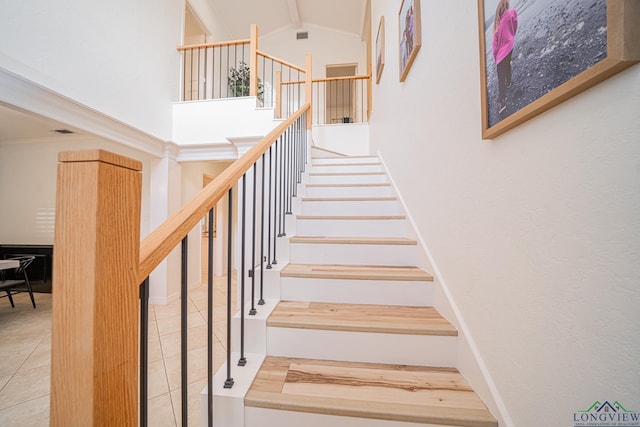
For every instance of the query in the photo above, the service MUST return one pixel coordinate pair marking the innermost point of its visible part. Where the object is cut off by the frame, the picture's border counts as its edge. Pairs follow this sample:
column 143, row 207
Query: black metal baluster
column 294, row 160
column 213, row 72
column 184, row 75
column 228, row 383
column 210, row 342
column 269, row 216
column 253, row 311
column 144, row 352
column 198, row 81
column 191, row 76
column 261, row 300
column 183, row 328
column 243, row 360
column 279, row 171
column 288, row 175
column 206, row 50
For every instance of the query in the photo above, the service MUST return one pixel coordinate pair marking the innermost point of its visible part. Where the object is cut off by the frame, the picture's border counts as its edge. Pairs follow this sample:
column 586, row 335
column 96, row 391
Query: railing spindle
column 261, row 300
column 253, row 311
column 243, row 360
column 229, row 381
column 144, row 352
column 210, row 342
column 269, row 215
column 183, row 329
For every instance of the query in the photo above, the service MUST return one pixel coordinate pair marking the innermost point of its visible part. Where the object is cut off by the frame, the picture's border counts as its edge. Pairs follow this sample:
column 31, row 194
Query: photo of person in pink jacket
column 504, row 33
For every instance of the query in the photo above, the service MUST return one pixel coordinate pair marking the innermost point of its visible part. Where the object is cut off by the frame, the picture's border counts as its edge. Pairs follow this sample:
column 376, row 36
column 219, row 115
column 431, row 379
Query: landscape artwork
column 533, row 46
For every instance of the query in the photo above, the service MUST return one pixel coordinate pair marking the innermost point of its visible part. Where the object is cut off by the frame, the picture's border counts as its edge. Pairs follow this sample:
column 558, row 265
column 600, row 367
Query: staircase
column 352, row 338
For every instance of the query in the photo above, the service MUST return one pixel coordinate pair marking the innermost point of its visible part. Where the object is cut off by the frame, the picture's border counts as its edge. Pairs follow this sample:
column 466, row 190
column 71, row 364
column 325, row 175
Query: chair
column 16, row 280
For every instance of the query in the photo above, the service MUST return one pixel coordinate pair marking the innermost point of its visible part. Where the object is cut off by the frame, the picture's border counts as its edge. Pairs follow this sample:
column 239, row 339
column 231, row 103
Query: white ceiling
column 16, row 125
column 272, row 15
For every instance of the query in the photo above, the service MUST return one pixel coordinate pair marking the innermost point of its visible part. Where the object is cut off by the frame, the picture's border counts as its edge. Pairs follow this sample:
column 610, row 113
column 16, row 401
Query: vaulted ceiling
column 272, row 15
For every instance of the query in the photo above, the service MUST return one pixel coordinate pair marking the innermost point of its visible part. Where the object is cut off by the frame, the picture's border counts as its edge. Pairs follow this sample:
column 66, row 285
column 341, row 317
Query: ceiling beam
column 294, row 12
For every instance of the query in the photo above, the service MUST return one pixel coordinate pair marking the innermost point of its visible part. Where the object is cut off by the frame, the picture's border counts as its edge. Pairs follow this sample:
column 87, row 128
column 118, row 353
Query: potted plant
column 239, row 79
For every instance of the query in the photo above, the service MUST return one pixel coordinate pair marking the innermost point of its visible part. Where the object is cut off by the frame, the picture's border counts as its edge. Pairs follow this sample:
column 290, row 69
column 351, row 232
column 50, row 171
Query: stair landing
column 438, row 396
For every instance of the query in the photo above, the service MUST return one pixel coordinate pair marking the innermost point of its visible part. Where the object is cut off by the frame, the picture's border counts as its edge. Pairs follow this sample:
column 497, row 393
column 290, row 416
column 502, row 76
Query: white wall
column 536, row 234
column 192, row 176
column 118, row 57
column 327, row 47
column 28, row 185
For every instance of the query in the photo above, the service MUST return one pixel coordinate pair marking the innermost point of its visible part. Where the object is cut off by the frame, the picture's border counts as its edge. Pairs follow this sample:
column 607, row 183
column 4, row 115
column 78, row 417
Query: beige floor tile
column 157, row 379
column 4, row 381
column 196, row 368
column 153, row 330
column 172, row 309
column 41, row 356
column 170, row 325
column 26, row 385
column 32, row 413
column 193, row 400
column 155, row 350
column 161, row 412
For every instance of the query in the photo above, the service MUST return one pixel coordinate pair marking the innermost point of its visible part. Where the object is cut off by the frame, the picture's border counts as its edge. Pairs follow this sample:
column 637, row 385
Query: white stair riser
column 261, row 417
column 353, row 254
column 352, row 227
column 369, row 191
column 425, row 350
column 351, row 207
column 343, row 159
column 349, row 291
column 347, row 168
column 255, row 326
column 348, row 179
column 228, row 403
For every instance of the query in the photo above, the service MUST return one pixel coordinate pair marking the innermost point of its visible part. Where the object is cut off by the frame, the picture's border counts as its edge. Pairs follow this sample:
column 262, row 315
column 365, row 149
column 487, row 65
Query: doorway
column 340, row 94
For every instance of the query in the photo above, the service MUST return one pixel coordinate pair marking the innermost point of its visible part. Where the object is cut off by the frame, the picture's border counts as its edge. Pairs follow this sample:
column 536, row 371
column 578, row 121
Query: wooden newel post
column 309, row 89
column 94, row 350
column 253, row 61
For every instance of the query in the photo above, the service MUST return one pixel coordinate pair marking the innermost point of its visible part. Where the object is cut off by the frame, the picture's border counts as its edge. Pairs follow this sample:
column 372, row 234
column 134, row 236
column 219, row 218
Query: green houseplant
column 239, row 79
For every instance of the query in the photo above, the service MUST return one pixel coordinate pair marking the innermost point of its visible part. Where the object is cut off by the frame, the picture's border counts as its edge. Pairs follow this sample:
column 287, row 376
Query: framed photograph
column 535, row 55
column 380, row 50
column 410, row 37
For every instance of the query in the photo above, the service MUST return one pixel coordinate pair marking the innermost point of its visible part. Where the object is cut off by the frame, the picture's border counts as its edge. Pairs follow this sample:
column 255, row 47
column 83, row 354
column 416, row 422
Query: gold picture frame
column 575, row 58
column 380, row 50
column 410, row 35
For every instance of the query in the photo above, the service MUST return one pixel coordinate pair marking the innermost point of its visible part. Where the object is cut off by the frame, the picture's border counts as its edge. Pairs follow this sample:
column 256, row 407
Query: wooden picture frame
column 410, row 35
column 548, row 65
column 380, row 50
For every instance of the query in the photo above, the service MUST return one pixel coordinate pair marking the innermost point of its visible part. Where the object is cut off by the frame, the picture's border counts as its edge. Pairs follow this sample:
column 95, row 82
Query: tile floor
column 25, row 347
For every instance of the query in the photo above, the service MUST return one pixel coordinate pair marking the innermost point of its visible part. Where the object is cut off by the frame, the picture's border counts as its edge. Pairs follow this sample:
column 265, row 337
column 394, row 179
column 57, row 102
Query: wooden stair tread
column 382, row 184
column 338, row 164
column 344, row 173
column 351, row 217
column 356, row 272
column 388, row 392
column 400, row 241
column 360, row 318
column 350, row 199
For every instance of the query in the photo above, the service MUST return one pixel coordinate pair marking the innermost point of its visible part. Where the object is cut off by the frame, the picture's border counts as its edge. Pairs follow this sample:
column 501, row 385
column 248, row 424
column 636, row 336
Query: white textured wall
column 536, row 233
column 118, row 57
column 28, row 173
column 327, row 47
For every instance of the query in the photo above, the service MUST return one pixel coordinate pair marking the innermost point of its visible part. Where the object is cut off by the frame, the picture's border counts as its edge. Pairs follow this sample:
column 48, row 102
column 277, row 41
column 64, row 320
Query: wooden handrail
column 332, row 79
column 216, row 44
column 281, row 61
column 328, row 79
column 155, row 247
